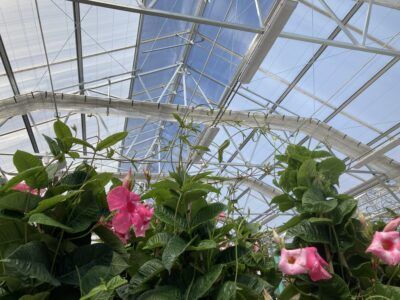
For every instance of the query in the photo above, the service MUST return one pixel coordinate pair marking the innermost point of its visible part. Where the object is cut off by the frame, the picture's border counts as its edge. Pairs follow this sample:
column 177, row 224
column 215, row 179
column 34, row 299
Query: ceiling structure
column 260, row 73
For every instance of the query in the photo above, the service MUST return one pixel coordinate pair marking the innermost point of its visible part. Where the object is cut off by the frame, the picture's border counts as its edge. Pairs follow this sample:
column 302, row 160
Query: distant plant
column 326, row 225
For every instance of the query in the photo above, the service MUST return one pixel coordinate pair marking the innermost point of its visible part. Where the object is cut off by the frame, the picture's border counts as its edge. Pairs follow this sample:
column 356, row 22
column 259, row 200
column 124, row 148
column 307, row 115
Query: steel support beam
column 15, row 89
column 395, row 4
column 160, row 111
column 79, row 60
column 338, row 44
column 170, row 15
column 315, row 57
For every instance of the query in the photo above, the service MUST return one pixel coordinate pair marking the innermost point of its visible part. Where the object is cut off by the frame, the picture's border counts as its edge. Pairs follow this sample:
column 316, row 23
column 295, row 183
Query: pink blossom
column 221, row 216
column 130, row 212
column 23, row 187
column 304, row 261
column 386, row 246
column 392, row 225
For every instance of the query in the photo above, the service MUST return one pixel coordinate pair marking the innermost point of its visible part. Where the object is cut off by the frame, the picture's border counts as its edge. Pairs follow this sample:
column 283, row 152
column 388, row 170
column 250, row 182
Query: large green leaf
column 63, row 133
column 162, row 293
column 48, row 203
column 146, row 272
column 307, row 172
column 385, row 291
column 284, row 202
column 332, row 168
column 204, row 283
column 108, row 237
column 43, row 219
column 31, row 261
column 158, row 240
column 105, row 291
column 289, row 224
column 175, row 247
column 38, row 296
column 288, row 180
column 111, row 140
column 314, row 201
column 23, row 161
column 254, row 282
column 342, row 210
column 85, row 214
column 77, row 264
column 53, row 146
column 334, row 288
column 35, row 177
column 310, row 232
column 11, row 232
column 210, row 212
column 227, row 291
column 19, row 201
column 168, row 216
column 288, row 293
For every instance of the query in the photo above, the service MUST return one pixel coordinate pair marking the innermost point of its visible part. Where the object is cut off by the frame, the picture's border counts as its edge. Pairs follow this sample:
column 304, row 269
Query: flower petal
column 293, row 262
column 319, row 273
column 134, row 197
column 117, row 198
column 121, row 222
column 392, row 225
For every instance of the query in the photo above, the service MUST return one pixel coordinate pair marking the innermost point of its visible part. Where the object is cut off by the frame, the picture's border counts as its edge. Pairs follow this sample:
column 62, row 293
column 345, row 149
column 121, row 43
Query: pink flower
column 23, row 187
column 130, row 212
column 386, row 246
column 392, row 225
column 304, row 261
column 221, row 216
column 256, row 247
column 316, row 264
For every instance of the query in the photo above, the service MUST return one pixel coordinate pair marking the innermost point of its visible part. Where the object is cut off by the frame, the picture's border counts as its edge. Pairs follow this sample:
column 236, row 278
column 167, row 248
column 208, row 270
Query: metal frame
column 170, row 15
column 14, row 87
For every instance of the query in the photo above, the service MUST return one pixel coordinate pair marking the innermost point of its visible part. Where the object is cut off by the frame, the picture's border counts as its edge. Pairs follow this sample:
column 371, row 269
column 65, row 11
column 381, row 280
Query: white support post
column 366, row 24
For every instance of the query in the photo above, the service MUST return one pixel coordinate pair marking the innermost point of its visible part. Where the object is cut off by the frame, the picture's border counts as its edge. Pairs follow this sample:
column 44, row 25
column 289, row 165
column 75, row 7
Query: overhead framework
column 21, row 104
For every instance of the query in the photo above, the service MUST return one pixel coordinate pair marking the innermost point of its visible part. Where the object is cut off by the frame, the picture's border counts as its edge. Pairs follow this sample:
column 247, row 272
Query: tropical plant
column 325, row 224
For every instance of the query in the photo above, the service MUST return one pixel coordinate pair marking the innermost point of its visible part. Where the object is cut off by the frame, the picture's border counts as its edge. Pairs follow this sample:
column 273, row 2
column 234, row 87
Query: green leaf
column 74, row 140
column 53, row 146
column 73, row 154
column 105, row 291
column 23, row 161
column 83, row 259
column 314, row 201
column 334, row 288
column 204, row 245
column 344, row 209
column 48, row 203
column 289, row 292
column 310, row 232
column 307, row 172
column 31, row 260
column 254, row 282
column 386, row 291
column 284, row 202
column 146, row 272
column 175, row 247
column 158, row 240
column 227, row 291
column 35, row 177
column 63, row 132
column 168, row 216
column 210, row 212
column 19, row 201
column 111, row 140
column 38, row 296
column 204, row 283
column 46, row 220
column 162, row 293
column 222, row 148
column 108, row 237
column 320, row 221
column 289, row 224
column 332, row 168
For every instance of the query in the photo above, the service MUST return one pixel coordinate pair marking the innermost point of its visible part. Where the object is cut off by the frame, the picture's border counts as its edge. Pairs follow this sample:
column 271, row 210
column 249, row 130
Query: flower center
column 130, row 207
column 387, row 244
column 291, row 260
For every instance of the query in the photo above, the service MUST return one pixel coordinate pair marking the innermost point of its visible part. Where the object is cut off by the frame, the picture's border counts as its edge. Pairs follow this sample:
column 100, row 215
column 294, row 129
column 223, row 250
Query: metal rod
column 366, row 24
column 171, row 15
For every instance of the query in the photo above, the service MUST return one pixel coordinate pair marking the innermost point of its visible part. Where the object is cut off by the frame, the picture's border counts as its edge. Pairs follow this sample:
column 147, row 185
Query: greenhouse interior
column 199, row 149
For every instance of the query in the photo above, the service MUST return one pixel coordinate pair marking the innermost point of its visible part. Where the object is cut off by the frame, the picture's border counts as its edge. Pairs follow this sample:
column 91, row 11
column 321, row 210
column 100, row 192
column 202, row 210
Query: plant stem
column 56, row 253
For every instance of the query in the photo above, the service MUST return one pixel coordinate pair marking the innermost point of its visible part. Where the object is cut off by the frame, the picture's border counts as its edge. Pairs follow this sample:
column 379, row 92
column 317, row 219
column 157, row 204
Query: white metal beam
column 127, row 108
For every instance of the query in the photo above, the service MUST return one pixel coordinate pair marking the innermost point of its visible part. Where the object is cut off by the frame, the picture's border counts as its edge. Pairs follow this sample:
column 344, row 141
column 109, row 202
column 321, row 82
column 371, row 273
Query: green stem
column 56, row 253
column 394, row 274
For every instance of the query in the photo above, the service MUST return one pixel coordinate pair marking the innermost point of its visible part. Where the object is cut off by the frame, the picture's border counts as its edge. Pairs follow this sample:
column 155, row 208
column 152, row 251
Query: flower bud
column 277, row 239
column 127, row 182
